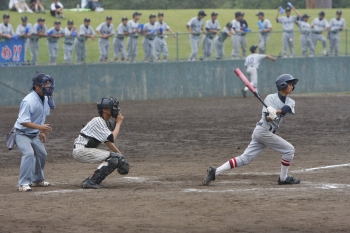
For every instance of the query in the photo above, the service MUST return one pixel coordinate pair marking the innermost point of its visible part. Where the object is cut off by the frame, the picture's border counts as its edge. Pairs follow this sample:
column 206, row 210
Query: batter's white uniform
column 264, row 36
column 318, row 26
column 334, row 34
column 288, row 34
column 252, row 63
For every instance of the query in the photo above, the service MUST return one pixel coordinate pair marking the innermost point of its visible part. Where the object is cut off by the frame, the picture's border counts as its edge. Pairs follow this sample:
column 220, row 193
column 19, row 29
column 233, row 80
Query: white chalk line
column 63, row 191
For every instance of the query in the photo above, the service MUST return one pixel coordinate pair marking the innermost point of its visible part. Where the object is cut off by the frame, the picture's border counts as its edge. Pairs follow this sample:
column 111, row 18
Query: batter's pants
column 253, row 76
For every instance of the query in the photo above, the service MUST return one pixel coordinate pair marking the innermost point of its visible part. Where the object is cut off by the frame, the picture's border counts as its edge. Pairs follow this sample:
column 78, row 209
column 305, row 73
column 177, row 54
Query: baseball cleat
column 209, row 176
column 289, row 180
column 41, row 184
column 24, row 188
column 244, row 93
column 90, row 184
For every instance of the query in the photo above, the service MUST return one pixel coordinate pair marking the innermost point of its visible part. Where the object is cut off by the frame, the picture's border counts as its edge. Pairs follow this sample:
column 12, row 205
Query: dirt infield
column 169, row 145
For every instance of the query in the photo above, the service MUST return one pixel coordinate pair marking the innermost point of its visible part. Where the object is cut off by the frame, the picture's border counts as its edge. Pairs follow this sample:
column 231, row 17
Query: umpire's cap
column 86, row 20
column 124, row 18
column 24, row 18
column 214, row 13
column 57, row 22
column 260, row 13
column 321, row 13
column 253, row 48
column 339, row 12
column 152, row 16
column 70, row 22
column 108, row 17
column 201, row 12
column 160, row 14
column 136, row 13
column 41, row 19
column 6, row 16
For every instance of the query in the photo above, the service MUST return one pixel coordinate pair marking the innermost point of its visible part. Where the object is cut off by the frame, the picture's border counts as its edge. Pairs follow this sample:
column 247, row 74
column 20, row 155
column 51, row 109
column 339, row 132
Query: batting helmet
column 108, row 103
column 283, row 81
column 40, row 79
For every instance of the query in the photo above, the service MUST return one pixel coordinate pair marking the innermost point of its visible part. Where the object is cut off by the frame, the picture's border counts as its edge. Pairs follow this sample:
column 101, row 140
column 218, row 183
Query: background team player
column 336, row 25
column 244, row 26
column 219, row 40
column 212, row 27
column 319, row 25
column 161, row 45
column 39, row 31
column 70, row 33
column 85, row 32
column 133, row 38
column 53, row 36
column 118, row 42
column 24, row 30
column 195, row 26
column 264, row 134
column 305, row 37
column 105, row 30
column 265, row 31
column 252, row 63
column 6, row 29
column 150, row 32
column 236, row 39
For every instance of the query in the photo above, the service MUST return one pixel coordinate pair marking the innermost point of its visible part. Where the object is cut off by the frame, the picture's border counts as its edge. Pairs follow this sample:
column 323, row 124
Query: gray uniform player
column 319, row 25
column 219, row 40
column 161, row 45
column 264, row 134
column 70, row 33
column 305, row 37
column 244, row 26
column 39, row 31
column 85, row 32
column 252, row 63
column 105, row 30
column 288, row 29
column 150, row 32
column 133, row 38
column 336, row 25
column 53, row 35
column 118, row 42
column 6, row 30
column 212, row 28
column 24, row 31
column 265, row 31
column 237, row 38
column 195, row 26
column 99, row 130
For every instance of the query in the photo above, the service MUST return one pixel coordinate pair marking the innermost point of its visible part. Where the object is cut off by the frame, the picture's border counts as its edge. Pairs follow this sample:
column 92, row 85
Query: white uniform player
column 133, row 38
column 219, row 41
column 237, row 38
column 53, row 36
column 195, row 27
column 150, row 32
column 305, row 37
column 319, row 25
column 265, row 30
column 212, row 28
column 85, row 32
column 161, row 45
column 70, row 33
column 336, row 25
column 118, row 41
column 252, row 63
column 279, row 105
column 105, row 30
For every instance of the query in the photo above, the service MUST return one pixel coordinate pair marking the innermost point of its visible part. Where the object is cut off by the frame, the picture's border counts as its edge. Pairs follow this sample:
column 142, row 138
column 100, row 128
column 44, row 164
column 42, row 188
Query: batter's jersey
column 319, row 25
column 68, row 38
column 6, row 29
column 266, row 25
column 253, row 60
column 224, row 34
column 148, row 28
column 133, row 26
column 104, row 29
column 96, row 128
column 336, row 24
column 236, row 25
column 273, row 100
column 304, row 27
column 287, row 22
column 55, row 32
column 195, row 25
column 83, row 30
column 210, row 25
column 121, row 29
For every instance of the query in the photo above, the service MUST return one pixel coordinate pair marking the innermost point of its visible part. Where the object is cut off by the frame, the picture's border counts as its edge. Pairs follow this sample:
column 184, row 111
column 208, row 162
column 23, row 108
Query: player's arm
column 189, row 29
column 100, row 35
column 118, row 121
column 278, row 13
column 271, row 58
column 172, row 32
column 112, row 147
column 43, row 128
column 296, row 11
column 327, row 27
column 202, row 29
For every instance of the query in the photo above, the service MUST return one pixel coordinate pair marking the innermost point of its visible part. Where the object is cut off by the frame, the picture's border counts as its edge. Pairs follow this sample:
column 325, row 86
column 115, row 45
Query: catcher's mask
column 46, row 82
column 108, row 103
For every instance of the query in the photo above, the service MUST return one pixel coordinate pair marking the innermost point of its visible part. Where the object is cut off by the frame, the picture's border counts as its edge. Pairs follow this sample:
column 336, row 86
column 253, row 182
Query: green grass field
column 177, row 20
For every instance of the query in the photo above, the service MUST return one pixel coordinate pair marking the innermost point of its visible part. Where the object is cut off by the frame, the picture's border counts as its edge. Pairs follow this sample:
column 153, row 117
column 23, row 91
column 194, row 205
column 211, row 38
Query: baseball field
column 177, row 20
column 169, row 145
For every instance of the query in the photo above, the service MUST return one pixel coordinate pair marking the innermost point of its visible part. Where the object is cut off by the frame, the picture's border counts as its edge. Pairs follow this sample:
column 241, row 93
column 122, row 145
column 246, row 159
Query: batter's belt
column 267, row 127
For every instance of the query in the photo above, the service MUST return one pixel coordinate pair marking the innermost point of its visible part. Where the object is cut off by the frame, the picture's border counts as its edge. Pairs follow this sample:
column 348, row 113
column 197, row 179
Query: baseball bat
column 246, row 82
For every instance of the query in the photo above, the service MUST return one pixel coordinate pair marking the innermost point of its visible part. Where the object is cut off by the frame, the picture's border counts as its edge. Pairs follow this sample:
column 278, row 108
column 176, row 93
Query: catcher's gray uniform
column 334, row 34
column 237, row 39
column 305, row 38
column 118, row 41
column 148, row 41
column 161, row 45
column 6, row 29
column 316, row 34
column 208, row 38
column 34, row 41
column 28, row 29
column 52, row 43
column 288, row 34
column 104, row 29
column 80, row 47
column 68, row 44
column 133, row 40
column 264, row 36
column 219, row 42
column 195, row 25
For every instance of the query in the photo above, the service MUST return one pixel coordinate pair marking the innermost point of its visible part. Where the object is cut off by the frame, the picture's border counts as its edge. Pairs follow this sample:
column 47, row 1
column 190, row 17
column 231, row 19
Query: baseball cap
column 70, row 22
column 136, row 13
column 152, row 16
column 41, row 19
column 321, row 13
column 339, row 12
column 109, row 17
column 124, row 18
column 87, row 20
column 24, row 18
column 160, row 14
column 253, row 48
column 214, row 13
column 305, row 16
column 57, row 22
column 229, row 24
column 237, row 14
column 288, row 8
column 242, row 13
column 201, row 12
column 6, row 16
column 260, row 13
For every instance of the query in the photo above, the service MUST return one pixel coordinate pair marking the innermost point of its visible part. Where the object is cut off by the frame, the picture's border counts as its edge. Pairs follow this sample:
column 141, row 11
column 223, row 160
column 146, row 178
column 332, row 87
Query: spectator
column 70, row 34
column 53, row 35
column 39, row 30
column 57, row 9
column 85, row 32
column 37, row 6
column 19, row 5
column 6, row 29
column 93, row 5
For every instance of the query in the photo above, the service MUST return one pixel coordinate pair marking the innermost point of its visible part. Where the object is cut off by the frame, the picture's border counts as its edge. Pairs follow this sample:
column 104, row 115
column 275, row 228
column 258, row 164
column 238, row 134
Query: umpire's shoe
column 209, row 176
column 289, row 180
column 90, row 184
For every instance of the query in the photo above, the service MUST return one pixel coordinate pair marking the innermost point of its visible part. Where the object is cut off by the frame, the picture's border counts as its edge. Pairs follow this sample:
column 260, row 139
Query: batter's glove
column 271, row 111
column 123, row 166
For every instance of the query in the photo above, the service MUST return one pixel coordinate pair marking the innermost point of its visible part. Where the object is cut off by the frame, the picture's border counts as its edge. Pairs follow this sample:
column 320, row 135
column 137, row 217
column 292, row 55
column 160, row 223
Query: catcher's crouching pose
column 101, row 129
column 264, row 134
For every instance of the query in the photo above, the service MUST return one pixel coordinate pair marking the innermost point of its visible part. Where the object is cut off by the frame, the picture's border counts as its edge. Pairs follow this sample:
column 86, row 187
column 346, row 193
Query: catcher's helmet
column 40, row 79
column 108, row 103
column 283, row 80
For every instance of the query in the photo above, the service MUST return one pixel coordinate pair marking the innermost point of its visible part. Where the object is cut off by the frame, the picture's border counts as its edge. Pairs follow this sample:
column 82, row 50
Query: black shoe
column 289, row 180
column 90, row 184
column 244, row 93
column 209, row 176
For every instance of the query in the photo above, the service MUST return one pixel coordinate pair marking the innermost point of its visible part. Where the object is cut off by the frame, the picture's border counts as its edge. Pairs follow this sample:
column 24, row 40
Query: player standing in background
column 30, row 132
column 133, row 38
column 212, row 27
column 99, row 130
column 118, row 42
column 6, row 29
column 305, row 38
column 236, row 39
column 319, row 25
column 252, row 63
column 105, row 30
column 161, row 45
column 264, row 134
column 244, row 26
column 39, row 31
column 265, row 31
column 288, row 29
column 53, row 35
column 150, row 32
column 24, row 31
column 195, row 26
column 85, row 32
column 70, row 33
column 219, row 41
column 336, row 25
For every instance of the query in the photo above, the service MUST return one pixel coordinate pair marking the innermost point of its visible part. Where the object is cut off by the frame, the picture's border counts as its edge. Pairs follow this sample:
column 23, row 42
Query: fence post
column 346, row 41
column 177, row 46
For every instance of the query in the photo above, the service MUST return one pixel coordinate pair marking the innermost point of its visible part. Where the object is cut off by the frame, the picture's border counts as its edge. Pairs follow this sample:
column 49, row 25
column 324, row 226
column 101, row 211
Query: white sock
column 284, row 172
column 226, row 166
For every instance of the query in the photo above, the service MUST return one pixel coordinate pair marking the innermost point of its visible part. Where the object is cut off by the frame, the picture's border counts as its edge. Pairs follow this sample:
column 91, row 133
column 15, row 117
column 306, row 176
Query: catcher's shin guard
column 106, row 168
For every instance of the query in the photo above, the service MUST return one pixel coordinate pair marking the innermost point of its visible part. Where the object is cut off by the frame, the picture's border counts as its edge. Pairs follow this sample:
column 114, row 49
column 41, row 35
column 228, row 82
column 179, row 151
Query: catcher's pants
column 68, row 51
column 80, row 49
column 89, row 155
column 104, row 48
column 253, row 76
column 288, row 40
column 334, row 42
column 161, row 47
column 318, row 37
column 132, row 48
column 195, row 40
column 238, row 42
column 149, row 48
column 263, row 39
column 219, row 48
column 207, row 46
column 33, row 158
column 53, row 51
column 118, row 46
column 306, row 43
column 34, row 49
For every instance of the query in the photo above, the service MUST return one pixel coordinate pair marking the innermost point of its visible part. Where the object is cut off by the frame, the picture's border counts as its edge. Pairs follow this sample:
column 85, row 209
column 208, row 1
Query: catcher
column 101, row 129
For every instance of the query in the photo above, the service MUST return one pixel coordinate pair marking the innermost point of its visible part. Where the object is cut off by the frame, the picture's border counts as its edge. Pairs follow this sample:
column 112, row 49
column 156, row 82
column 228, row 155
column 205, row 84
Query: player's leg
column 70, row 49
column 324, row 43
column 303, row 44
column 311, row 46
column 158, row 48
column 244, row 45
column 164, row 50
column 37, row 46
column 145, row 48
column 336, row 44
column 122, row 49
column 236, row 46
column 27, row 161
column 40, row 160
column 152, row 47
column 106, row 50
column 233, row 45
column 217, row 48
column 65, row 53
column 194, row 47
column 314, row 39
column 135, row 47
column 77, row 50
column 129, row 40
column 55, row 52
column 205, row 46
column 115, row 48
column 285, row 40
column 101, row 49
column 331, row 45
column 291, row 44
